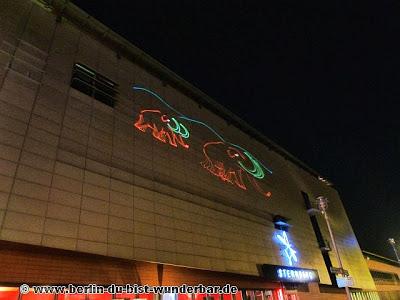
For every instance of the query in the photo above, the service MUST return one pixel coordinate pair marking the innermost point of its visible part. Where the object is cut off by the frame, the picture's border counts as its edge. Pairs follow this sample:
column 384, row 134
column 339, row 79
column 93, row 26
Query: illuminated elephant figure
column 169, row 130
column 229, row 162
column 234, row 165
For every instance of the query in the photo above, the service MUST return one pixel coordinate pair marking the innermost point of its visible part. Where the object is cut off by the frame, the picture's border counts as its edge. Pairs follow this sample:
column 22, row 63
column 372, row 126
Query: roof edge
column 381, row 258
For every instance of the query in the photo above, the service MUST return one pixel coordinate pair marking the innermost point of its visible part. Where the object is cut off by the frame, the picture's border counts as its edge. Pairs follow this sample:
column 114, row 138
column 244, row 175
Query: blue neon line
column 182, row 116
column 204, row 124
column 158, row 97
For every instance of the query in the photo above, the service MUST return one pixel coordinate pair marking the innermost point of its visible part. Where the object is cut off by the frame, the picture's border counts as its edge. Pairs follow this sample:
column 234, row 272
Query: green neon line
column 258, row 166
column 244, row 150
column 186, row 134
column 257, row 171
column 176, row 129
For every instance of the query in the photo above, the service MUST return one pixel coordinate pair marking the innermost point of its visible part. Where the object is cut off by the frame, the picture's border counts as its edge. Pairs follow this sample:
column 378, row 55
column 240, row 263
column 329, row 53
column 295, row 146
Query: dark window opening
column 384, row 277
column 93, row 84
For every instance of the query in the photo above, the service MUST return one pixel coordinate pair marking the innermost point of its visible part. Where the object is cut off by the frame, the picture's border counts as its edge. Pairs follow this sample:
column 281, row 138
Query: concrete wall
column 77, row 175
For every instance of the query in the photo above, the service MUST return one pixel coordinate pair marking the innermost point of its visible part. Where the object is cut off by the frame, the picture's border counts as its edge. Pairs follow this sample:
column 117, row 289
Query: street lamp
column 392, row 242
column 323, row 206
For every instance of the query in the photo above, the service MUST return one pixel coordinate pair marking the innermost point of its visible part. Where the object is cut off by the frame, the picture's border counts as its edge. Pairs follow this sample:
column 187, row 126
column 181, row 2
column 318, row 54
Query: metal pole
column 323, row 206
column 393, row 243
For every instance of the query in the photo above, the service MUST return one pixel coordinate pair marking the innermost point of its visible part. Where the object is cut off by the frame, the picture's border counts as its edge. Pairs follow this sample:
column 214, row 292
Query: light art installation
column 247, row 166
column 236, row 175
column 178, row 127
column 173, row 135
column 289, row 252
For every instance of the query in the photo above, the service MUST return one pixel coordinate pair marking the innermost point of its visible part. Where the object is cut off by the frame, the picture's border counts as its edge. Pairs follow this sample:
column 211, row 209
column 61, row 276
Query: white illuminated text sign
column 295, row 274
column 289, row 274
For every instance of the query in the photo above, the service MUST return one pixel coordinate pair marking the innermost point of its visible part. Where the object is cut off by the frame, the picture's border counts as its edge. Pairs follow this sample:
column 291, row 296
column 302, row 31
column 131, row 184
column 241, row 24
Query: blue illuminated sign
column 289, row 274
column 288, row 251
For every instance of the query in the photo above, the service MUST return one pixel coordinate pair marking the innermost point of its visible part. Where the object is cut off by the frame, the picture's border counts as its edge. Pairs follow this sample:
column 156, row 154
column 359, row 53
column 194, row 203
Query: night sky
column 320, row 78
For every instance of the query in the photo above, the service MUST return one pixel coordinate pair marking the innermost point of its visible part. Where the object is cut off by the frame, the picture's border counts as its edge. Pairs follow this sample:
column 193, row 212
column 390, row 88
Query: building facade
column 116, row 170
column 386, row 275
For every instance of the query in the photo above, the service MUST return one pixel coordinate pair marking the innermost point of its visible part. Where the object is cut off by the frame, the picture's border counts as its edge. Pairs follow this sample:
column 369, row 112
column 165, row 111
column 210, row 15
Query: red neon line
column 164, row 118
column 234, row 177
column 162, row 134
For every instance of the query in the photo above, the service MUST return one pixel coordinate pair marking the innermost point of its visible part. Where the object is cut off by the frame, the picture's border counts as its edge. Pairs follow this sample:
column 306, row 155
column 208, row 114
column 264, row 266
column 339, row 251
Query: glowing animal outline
column 256, row 172
column 174, row 138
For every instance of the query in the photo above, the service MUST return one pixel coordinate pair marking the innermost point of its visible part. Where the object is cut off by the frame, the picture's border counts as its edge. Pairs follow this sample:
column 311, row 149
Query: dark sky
column 320, row 78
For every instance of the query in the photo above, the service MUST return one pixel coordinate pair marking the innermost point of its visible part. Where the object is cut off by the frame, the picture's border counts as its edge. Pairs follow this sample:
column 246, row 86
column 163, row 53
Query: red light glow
column 227, row 173
column 279, row 294
column 165, row 135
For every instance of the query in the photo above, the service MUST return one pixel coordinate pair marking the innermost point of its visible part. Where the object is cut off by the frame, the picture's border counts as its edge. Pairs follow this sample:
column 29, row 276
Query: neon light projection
column 234, row 176
column 175, row 134
column 288, row 251
column 178, row 127
column 246, row 165
column 218, row 168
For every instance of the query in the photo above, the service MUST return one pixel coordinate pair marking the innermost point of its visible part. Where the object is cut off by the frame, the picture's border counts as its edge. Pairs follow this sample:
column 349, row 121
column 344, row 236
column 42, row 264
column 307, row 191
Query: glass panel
column 83, row 76
column 38, row 296
column 33, row 296
column 124, row 296
column 105, row 296
column 81, row 86
column 169, row 296
column 184, row 296
column 250, row 295
column 227, row 297
column 200, row 296
column 72, row 297
column 146, row 296
column 105, row 81
column 104, row 87
column 278, row 294
column 258, row 295
column 84, row 69
column 8, row 293
column 214, row 296
column 268, row 295
column 238, row 295
column 93, row 84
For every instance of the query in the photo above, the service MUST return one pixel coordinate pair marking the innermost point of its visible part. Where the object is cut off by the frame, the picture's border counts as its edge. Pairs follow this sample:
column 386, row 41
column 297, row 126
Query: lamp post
column 392, row 242
column 323, row 206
